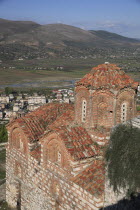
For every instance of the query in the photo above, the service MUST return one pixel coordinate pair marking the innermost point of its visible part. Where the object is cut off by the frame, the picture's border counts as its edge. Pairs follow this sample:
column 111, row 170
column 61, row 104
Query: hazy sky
column 119, row 16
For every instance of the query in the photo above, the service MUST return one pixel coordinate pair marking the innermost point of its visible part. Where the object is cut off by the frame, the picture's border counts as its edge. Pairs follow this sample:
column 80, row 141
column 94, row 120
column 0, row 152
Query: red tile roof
column 58, row 118
column 92, row 178
column 76, row 139
column 107, row 76
column 78, row 142
column 35, row 123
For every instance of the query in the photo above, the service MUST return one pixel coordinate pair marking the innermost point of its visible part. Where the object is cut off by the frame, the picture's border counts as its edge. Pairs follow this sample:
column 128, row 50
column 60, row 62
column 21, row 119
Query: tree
column 3, row 134
column 8, row 90
column 123, row 158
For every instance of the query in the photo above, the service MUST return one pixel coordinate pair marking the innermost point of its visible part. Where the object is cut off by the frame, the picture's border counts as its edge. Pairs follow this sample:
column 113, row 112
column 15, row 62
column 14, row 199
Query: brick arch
column 125, row 97
column 102, row 109
column 18, row 140
column 55, row 151
column 124, row 110
column 14, row 140
column 102, row 96
column 82, row 94
column 102, row 113
column 129, row 91
column 53, row 148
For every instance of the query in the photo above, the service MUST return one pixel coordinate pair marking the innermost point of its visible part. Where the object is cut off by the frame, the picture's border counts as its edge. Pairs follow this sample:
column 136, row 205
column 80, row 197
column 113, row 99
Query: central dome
column 106, row 76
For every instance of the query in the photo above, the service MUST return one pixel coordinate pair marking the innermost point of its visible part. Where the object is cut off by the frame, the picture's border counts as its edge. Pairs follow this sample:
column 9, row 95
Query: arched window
column 102, row 114
column 59, row 157
column 15, row 138
column 18, row 141
column 84, row 107
column 53, row 153
column 123, row 112
column 21, row 145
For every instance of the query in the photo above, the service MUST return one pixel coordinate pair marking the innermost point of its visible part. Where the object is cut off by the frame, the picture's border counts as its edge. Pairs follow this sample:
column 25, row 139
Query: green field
column 46, row 73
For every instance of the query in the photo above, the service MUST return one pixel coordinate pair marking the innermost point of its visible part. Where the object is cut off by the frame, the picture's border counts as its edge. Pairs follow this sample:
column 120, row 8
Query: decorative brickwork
column 105, row 89
column 55, row 154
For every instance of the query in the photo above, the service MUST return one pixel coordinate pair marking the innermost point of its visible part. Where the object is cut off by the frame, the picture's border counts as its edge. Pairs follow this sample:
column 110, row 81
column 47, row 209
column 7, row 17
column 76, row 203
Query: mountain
column 26, row 37
column 113, row 37
column 9, row 28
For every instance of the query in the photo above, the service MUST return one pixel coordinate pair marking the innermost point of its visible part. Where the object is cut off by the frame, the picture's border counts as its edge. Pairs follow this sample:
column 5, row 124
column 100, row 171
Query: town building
column 4, row 99
column 136, row 121
column 35, row 102
column 55, row 154
column 7, row 114
column 36, row 99
column 1, row 115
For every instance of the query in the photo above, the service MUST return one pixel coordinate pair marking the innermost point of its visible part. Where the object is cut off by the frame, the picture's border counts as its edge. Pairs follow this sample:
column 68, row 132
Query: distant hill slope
column 113, row 37
column 30, row 36
column 9, row 28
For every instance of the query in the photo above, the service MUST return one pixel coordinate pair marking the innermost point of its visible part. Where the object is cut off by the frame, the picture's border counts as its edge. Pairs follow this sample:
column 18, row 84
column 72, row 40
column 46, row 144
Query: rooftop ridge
column 107, row 66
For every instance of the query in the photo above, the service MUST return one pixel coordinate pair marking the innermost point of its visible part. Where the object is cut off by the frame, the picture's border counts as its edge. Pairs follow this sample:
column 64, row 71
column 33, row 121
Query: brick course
column 54, row 159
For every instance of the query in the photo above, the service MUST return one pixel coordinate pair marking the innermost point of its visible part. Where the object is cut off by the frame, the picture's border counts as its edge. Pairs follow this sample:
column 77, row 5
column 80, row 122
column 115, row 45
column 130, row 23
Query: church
column 55, row 154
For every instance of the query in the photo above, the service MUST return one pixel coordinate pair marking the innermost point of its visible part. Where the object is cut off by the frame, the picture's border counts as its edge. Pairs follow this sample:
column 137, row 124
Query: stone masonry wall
column 41, row 189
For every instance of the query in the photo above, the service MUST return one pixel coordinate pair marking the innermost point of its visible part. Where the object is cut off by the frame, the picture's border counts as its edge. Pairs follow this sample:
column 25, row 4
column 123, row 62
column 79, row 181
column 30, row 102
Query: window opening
column 84, row 105
column 59, row 157
column 123, row 112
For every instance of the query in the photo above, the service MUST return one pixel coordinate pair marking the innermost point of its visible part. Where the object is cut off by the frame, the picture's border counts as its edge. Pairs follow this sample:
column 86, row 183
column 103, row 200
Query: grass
column 25, row 72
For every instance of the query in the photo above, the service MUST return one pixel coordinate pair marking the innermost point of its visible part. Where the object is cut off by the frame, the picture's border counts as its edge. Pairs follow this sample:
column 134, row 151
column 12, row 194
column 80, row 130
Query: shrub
column 123, row 158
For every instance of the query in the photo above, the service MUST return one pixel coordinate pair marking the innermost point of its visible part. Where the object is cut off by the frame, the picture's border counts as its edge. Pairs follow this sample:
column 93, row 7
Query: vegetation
column 2, row 156
column 2, row 163
column 28, row 76
column 138, row 108
column 3, row 134
column 123, row 158
column 8, row 90
column 54, row 53
column 133, row 203
column 2, row 174
column 4, row 206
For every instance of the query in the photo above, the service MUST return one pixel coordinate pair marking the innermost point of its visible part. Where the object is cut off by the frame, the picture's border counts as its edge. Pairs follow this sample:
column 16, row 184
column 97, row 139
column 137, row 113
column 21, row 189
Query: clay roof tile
column 92, row 178
column 107, row 76
column 34, row 124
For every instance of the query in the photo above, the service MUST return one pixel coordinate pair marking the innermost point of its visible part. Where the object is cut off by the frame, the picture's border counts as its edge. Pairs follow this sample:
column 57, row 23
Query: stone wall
column 36, row 187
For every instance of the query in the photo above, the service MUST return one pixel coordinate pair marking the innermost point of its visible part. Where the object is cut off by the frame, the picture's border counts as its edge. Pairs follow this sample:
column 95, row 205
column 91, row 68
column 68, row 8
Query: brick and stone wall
column 125, row 96
column 36, row 187
column 55, row 155
column 103, row 106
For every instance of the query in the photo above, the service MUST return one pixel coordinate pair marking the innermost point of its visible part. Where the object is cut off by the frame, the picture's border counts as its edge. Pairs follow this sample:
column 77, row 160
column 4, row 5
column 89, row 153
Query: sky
column 118, row 16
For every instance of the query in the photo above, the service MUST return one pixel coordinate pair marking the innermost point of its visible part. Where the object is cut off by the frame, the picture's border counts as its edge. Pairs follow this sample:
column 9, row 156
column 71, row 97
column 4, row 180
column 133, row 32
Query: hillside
column 10, row 28
column 114, row 39
column 31, row 40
